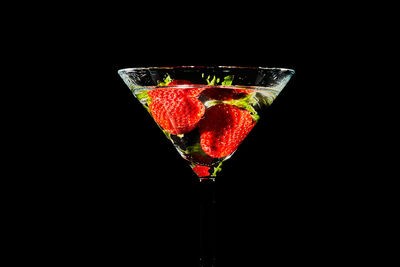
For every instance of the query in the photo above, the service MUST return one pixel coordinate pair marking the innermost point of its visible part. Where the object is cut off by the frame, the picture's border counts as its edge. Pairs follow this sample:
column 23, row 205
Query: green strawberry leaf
column 166, row 81
column 216, row 81
column 216, row 169
column 142, row 95
column 211, row 82
column 227, row 80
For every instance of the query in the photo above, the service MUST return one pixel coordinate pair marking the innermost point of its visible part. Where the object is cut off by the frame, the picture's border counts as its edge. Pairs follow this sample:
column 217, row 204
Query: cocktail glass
column 206, row 112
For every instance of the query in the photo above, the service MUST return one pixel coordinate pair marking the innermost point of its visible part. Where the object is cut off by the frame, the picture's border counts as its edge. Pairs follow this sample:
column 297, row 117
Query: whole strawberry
column 176, row 109
column 177, row 114
column 223, row 128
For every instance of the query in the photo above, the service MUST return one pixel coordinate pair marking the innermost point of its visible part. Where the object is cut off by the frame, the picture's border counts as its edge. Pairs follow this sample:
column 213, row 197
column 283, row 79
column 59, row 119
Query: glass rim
column 204, row 67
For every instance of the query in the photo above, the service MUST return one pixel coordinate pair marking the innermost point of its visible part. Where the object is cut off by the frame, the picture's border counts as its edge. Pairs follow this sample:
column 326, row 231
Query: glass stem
column 207, row 191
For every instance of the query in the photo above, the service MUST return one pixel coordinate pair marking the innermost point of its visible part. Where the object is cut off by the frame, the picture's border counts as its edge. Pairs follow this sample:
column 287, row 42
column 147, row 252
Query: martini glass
column 206, row 112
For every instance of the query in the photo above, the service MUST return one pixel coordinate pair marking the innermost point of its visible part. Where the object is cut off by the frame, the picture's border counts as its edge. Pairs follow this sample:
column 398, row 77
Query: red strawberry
column 225, row 93
column 201, row 171
column 223, row 128
column 167, row 92
column 176, row 109
column 177, row 113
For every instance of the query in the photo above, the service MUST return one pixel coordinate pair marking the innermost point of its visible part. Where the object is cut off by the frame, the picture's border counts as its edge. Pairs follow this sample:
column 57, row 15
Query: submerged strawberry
column 177, row 114
column 176, row 109
column 201, row 171
column 223, row 128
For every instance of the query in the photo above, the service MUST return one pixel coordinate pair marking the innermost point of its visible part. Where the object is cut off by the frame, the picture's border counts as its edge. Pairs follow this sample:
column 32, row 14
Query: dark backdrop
column 117, row 191
column 279, row 195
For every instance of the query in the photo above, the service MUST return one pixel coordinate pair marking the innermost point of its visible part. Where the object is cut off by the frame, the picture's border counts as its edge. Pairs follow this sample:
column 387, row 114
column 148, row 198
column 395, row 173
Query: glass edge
column 125, row 70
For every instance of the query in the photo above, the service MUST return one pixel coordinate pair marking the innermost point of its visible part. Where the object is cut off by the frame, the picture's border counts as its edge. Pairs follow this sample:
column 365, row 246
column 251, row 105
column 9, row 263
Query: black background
column 112, row 189
column 281, row 194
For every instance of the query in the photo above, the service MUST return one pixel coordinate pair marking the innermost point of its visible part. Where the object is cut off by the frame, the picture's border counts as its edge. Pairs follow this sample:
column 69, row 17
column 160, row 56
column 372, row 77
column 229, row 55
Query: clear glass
column 206, row 112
